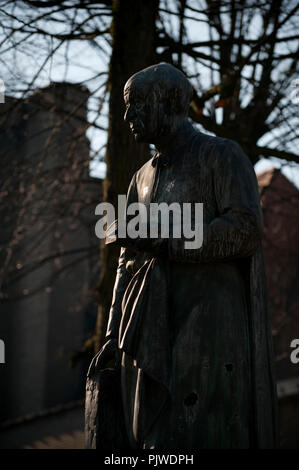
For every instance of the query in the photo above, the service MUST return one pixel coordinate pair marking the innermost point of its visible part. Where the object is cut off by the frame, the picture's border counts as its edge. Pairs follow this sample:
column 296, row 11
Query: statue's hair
column 168, row 82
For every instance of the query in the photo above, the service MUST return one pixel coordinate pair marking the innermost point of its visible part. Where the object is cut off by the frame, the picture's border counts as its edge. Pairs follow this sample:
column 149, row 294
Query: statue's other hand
column 108, row 352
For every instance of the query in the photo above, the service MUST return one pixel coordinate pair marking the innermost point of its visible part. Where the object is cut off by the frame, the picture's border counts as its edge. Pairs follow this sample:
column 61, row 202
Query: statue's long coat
column 193, row 324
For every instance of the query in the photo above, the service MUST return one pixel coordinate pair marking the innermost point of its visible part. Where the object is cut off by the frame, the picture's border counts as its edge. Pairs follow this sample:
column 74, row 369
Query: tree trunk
column 133, row 48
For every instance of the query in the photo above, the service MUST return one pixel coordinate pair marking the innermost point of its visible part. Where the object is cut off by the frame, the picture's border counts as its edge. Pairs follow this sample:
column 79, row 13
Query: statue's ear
column 174, row 101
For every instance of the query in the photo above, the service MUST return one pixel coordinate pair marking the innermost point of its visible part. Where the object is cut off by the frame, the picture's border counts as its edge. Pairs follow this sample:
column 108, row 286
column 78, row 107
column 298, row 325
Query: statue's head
column 157, row 99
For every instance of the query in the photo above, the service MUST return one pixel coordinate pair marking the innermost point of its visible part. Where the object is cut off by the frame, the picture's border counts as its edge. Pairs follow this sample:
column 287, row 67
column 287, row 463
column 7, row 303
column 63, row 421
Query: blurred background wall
column 49, row 309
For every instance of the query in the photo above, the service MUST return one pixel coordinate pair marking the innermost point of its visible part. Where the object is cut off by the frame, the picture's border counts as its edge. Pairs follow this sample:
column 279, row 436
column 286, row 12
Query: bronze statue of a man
column 191, row 324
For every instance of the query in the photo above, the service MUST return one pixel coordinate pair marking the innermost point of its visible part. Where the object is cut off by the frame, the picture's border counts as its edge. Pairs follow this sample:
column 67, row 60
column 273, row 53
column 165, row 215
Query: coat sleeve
column 122, row 280
column 237, row 229
column 123, row 277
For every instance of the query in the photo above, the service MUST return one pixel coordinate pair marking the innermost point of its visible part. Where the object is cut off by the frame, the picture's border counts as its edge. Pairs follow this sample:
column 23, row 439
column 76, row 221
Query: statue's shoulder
column 212, row 144
column 231, row 153
column 219, row 150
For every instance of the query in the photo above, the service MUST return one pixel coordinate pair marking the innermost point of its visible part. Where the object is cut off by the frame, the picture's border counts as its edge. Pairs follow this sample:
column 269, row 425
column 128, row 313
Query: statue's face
column 144, row 111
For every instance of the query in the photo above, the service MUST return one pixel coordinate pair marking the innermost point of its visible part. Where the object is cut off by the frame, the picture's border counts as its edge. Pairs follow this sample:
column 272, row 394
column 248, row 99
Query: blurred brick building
column 48, row 248
column 280, row 204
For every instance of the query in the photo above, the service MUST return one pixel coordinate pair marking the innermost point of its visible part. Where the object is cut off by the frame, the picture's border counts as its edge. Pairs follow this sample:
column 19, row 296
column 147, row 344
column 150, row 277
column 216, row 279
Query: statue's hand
column 112, row 236
column 112, row 233
column 156, row 246
column 108, row 352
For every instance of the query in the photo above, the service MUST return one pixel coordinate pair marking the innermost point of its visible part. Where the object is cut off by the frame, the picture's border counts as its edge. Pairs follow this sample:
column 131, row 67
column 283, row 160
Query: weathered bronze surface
column 192, row 325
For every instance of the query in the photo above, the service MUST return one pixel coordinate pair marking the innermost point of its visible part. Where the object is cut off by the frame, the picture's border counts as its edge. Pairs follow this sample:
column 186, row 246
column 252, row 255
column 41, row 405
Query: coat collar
column 177, row 145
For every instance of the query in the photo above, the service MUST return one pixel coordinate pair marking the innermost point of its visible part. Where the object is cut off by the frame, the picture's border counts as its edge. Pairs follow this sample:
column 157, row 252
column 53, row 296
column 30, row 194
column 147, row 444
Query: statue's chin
column 139, row 137
column 145, row 139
